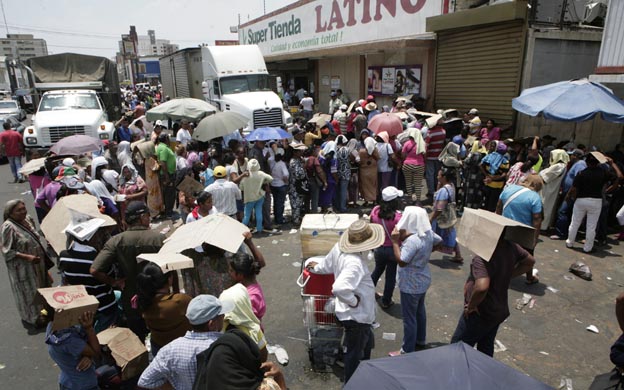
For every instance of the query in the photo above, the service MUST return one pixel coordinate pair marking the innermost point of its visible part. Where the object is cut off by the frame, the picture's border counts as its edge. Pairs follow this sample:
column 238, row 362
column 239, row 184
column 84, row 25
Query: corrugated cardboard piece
column 69, row 303
column 480, row 230
column 189, row 185
column 167, row 261
column 60, row 216
column 218, row 229
column 127, row 350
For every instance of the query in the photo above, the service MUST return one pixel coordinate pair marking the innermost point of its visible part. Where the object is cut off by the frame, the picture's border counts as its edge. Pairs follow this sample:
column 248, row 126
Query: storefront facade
column 376, row 47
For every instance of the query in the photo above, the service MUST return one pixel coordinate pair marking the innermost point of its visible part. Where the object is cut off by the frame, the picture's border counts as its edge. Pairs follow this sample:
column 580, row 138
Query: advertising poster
column 399, row 80
column 387, row 81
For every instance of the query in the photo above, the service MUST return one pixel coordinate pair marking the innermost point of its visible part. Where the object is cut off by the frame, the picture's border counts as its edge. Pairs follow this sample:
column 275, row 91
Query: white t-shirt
column 385, row 151
column 183, row 137
column 307, row 103
column 280, row 174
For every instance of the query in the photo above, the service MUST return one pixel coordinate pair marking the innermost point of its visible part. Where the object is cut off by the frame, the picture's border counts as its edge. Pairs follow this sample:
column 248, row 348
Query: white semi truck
column 75, row 94
column 233, row 78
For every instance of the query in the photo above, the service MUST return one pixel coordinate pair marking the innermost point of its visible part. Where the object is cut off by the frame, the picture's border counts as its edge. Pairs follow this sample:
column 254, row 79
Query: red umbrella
column 386, row 122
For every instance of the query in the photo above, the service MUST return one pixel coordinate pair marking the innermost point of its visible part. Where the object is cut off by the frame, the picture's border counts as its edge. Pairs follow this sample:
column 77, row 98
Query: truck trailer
column 74, row 94
column 232, row 78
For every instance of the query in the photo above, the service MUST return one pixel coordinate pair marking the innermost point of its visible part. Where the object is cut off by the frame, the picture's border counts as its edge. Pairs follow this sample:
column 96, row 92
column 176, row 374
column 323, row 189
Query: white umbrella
column 184, row 108
column 219, row 124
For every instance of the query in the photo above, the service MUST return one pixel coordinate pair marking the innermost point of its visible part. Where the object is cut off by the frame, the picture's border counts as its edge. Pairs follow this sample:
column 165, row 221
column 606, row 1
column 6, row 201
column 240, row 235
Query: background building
column 23, row 46
column 137, row 60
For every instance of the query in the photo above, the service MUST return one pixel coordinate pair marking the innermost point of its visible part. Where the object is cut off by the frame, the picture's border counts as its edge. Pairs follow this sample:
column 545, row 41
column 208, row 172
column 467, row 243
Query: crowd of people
column 412, row 181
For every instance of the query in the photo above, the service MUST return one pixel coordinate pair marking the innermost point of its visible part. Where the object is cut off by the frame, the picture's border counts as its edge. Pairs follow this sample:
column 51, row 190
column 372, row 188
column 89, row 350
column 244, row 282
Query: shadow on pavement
column 518, row 284
column 446, row 263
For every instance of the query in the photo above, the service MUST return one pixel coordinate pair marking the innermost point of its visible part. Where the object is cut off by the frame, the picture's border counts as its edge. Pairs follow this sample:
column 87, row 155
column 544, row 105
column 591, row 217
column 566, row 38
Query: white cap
column 68, row 162
column 473, row 111
column 390, row 193
column 159, row 123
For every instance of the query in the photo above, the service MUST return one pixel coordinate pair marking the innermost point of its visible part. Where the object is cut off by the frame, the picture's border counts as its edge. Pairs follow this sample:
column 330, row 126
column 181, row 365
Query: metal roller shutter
column 480, row 67
column 181, row 75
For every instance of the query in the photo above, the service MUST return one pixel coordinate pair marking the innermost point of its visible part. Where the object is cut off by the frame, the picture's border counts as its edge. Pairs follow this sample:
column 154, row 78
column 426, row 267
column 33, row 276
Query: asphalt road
column 548, row 341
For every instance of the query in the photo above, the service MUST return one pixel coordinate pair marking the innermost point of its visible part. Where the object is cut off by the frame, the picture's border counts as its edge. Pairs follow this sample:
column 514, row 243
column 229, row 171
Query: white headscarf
column 124, row 154
column 330, row 146
column 133, row 179
column 97, row 162
column 418, row 138
column 415, row 221
column 369, row 144
column 98, row 189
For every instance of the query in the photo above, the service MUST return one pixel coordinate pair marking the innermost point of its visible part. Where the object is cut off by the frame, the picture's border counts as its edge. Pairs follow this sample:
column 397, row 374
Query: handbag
column 448, row 217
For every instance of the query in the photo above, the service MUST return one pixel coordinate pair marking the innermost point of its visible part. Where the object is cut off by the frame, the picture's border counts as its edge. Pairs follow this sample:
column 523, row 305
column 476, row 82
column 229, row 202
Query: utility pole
column 4, row 17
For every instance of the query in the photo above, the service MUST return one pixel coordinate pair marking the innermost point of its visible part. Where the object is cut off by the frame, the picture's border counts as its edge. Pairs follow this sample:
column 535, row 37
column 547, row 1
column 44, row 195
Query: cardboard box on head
column 480, row 230
column 320, row 232
column 190, row 186
column 69, row 303
column 127, row 349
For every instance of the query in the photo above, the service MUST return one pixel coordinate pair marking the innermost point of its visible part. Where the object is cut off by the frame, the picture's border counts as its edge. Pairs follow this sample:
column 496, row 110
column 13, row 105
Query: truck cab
column 67, row 112
column 236, row 79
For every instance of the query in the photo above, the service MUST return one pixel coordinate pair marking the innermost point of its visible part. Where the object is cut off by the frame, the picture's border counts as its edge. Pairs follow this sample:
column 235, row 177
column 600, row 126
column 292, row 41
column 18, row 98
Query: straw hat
column 361, row 236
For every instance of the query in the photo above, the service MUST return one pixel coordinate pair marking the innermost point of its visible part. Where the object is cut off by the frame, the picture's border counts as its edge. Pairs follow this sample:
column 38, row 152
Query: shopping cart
column 324, row 332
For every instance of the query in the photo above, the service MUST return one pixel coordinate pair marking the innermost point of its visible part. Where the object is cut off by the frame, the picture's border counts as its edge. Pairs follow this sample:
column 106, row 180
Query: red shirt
column 435, row 142
column 12, row 141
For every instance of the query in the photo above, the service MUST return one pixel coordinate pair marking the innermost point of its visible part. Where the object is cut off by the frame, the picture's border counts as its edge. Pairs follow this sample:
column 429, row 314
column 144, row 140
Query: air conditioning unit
column 595, row 10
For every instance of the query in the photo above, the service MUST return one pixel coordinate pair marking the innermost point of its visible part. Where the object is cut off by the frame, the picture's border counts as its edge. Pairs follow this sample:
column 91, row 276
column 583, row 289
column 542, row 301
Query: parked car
column 15, row 123
column 10, row 107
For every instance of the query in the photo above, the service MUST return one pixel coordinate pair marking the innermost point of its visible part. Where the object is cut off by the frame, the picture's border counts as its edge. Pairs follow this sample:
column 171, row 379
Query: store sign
column 397, row 80
column 325, row 24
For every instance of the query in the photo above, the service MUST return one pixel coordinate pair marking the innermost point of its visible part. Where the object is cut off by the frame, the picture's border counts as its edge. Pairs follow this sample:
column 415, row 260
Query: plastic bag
column 581, row 270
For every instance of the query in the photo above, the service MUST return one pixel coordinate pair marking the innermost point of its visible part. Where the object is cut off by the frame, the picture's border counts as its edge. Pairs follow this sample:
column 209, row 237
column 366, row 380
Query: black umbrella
column 454, row 366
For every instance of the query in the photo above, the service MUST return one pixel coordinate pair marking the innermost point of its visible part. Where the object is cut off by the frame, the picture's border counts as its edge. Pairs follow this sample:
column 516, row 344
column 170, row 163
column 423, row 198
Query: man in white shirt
column 354, row 289
column 184, row 134
column 224, row 192
column 334, row 103
column 307, row 105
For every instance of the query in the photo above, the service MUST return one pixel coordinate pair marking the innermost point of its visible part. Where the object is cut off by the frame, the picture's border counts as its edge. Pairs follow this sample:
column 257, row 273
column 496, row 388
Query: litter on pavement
column 388, row 336
column 593, row 329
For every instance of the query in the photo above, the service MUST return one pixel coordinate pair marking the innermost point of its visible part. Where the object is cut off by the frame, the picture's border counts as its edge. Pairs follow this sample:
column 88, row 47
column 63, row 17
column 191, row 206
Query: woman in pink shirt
column 413, row 152
column 243, row 269
column 386, row 214
column 490, row 132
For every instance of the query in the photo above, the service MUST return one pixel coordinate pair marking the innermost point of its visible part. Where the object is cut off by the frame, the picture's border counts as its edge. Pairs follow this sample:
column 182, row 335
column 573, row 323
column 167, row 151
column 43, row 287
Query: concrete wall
column 345, row 67
column 557, row 59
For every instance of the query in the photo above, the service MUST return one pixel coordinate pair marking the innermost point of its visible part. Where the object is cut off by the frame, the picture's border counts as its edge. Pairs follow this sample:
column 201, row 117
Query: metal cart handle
column 300, row 282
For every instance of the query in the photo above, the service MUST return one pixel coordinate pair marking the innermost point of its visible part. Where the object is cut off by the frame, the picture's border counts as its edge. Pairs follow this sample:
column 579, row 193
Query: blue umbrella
column 571, row 101
column 267, row 133
column 451, row 367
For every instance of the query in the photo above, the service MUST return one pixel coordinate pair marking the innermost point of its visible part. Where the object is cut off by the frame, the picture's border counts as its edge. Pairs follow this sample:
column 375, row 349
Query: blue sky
column 94, row 27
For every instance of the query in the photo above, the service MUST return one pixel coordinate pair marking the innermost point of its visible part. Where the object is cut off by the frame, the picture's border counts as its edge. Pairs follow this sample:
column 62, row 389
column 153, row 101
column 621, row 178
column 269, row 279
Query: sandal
column 386, row 305
column 458, row 260
column 533, row 280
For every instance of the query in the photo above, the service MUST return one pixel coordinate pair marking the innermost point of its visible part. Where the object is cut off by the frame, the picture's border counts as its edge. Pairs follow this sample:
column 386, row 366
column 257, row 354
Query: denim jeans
column 414, row 321
column 266, row 211
column 16, row 164
column 385, row 261
column 564, row 214
column 431, row 174
column 474, row 330
column 358, row 343
column 256, row 207
column 279, row 197
column 340, row 197
column 314, row 195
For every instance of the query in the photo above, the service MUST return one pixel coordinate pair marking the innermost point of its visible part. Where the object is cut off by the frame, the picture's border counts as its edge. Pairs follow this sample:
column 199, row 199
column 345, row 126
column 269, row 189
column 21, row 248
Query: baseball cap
column 390, row 193
column 219, row 171
column 68, row 162
column 344, row 107
column 136, row 208
column 473, row 111
column 332, row 94
column 576, row 152
column 158, row 123
column 296, row 131
column 204, row 308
